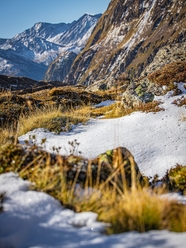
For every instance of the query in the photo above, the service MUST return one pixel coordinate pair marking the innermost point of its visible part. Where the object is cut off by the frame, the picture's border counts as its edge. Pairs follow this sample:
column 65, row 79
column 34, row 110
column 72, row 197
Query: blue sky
column 18, row 15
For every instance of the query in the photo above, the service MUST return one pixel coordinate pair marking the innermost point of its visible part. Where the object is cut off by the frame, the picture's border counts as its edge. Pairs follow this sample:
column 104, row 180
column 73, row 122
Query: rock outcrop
column 128, row 38
column 58, row 70
column 117, row 164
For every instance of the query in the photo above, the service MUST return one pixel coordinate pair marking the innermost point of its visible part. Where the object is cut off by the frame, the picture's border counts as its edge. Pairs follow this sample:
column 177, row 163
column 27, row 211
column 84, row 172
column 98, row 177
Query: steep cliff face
column 58, row 70
column 127, row 39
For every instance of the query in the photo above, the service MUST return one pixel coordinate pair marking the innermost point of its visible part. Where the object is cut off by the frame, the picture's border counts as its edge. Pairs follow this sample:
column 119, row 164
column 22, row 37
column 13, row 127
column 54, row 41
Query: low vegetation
column 13, row 105
column 140, row 210
column 51, row 118
column 21, row 114
column 125, row 209
column 176, row 178
column 170, row 73
column 180, row 101
column 118, row 109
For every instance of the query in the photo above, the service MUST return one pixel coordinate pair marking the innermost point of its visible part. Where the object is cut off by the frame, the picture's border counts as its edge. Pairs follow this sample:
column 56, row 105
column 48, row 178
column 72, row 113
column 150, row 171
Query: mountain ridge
column 40, row 45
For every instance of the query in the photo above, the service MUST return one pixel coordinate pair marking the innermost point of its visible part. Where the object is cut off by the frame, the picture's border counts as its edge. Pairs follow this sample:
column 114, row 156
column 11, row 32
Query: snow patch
column 156, row 140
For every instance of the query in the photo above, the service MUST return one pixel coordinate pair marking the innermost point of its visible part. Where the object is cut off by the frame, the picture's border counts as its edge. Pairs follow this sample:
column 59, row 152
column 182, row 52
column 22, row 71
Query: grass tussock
column 7, row 135
column 139, row 209
column 51, row 118
column 125, row 209
column 177, row 178
column 118, row 109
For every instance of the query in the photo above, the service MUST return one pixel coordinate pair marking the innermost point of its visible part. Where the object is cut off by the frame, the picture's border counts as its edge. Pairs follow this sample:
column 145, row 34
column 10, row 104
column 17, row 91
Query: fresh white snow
column 35, row 219
column 156, row 140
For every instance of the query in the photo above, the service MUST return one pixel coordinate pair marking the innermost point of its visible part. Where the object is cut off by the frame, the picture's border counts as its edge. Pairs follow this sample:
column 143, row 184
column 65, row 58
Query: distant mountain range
column 30, row 53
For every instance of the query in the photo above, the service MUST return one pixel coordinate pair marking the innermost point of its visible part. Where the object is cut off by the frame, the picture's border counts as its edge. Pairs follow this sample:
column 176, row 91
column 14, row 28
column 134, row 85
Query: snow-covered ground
column 35, row 219
column 156, row 140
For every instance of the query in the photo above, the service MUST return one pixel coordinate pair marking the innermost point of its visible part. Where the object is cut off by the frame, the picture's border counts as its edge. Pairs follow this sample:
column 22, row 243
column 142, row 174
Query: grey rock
column 58, row 70
column 147, row 97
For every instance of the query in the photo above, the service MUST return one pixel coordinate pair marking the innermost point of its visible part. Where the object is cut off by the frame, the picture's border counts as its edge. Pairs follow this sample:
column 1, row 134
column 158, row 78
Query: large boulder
column 121, row 160
column 115, row 165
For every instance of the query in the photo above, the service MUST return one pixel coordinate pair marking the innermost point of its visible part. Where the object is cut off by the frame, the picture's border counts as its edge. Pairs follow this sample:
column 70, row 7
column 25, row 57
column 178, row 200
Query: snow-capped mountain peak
column 30, row 52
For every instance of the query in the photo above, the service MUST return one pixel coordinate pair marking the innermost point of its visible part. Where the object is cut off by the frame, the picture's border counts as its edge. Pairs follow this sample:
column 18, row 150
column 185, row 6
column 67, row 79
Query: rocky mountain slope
column 29, row 53
column 133, row 37
column 60, row 67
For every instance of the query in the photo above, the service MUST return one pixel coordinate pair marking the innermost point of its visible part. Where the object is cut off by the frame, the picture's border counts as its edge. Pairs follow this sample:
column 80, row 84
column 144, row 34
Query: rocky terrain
column 60, row 67
column 132, row 38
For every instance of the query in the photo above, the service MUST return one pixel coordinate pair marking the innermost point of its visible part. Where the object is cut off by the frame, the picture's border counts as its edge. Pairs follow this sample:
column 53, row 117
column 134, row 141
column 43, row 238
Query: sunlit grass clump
column 118, row 110
column 140, row 210
column 51, row 118
column 177, row 178
column 57, row 118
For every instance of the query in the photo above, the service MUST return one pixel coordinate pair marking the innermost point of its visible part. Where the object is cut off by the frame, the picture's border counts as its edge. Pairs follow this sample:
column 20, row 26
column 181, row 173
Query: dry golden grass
column 61, row 90
column 180, row 101
column 126, row 209
column 79, row 90
column 173, row 72
column 7, row 135
column 56, row 120
column 183, row 117
column 139, row 209
column 94, row 112
column 49, row 117
column 5, row 94
column 117, row 109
